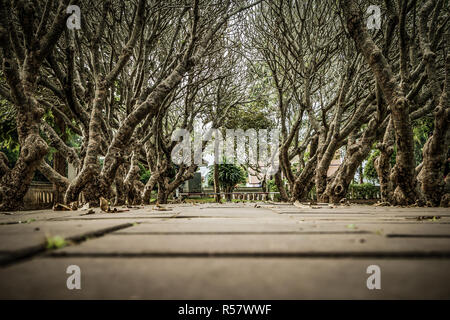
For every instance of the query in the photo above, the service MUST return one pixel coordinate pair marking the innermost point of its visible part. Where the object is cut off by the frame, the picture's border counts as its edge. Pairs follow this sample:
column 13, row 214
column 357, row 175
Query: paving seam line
column 264, row 255
column 200, row 233
column 33, row 251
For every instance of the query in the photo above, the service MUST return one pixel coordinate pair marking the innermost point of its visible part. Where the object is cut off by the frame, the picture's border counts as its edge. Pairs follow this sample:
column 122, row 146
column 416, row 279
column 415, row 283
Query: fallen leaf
column 89, row 212
column 61, row 207
column 104, row 205
column 428, row 218
column 161, row 208
column 74, row 205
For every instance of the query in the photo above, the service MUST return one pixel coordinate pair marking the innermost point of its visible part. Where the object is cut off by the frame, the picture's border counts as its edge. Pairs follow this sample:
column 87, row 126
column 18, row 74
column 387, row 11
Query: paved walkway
column 228, row 251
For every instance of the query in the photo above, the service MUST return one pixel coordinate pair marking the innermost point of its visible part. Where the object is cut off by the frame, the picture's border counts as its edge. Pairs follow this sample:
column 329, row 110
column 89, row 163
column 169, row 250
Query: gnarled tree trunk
column 280, row 185
column 60, row 162
column 383, row 164
column 356, row 153
column 216, row 183
column 304, row 182
column 22, row 84
column 403, row 176
column 436, row 148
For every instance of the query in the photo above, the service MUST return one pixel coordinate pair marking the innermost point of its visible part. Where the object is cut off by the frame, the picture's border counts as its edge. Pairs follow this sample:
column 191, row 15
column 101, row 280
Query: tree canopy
column 105, row 98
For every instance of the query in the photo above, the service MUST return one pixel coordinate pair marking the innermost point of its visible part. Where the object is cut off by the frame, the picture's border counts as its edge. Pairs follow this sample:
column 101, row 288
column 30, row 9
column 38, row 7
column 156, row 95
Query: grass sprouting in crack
column 55, row 242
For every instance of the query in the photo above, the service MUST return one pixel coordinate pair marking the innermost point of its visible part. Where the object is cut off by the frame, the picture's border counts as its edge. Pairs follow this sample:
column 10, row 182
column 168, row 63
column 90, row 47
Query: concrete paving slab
column 113, row 217
column 36, row 215
column 131, row 214
column 24, row 236
column 265, row 244
column 238, row 212
column 415, row 211
column 285, row 220
column 195, row 220
column 230, row 227
column 389, row 229
column 283, row 226
column 230, row 251
column 24, row 216
column 367, row 219
column 225, row 278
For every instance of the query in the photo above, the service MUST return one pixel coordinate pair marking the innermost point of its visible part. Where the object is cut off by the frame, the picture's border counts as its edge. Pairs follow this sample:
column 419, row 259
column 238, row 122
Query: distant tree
column 229, row 176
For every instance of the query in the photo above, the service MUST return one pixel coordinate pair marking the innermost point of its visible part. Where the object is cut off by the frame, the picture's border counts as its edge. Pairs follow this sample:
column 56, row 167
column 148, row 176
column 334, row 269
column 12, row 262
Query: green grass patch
column 200, row 200
column 55, row 242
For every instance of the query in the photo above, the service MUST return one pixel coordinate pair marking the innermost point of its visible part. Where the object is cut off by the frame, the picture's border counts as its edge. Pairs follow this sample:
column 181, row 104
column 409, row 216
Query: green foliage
column 251, row 116
column 423, row 128
column 370, row 172
column 144, row 174
column 9, row 141
column 73, row 140
column 229, row 176
column 200, row 200
column 256, row 113
column 363, row 191
column 271, row 186
column 295, row 167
